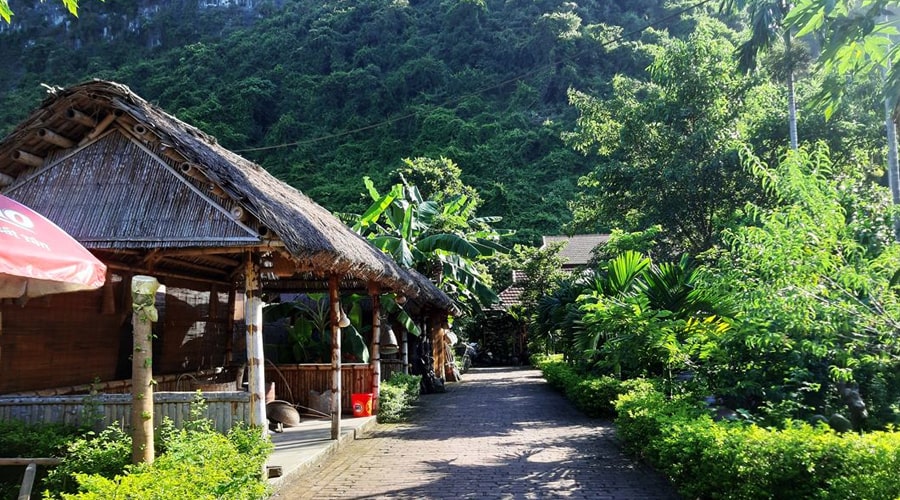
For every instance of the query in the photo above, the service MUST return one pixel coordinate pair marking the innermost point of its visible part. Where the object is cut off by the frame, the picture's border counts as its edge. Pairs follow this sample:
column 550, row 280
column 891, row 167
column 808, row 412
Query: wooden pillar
column 437, row 346
column 253, row 318
column 404, row 351
column 335, row 357
column 375, row 359
column 143, row 293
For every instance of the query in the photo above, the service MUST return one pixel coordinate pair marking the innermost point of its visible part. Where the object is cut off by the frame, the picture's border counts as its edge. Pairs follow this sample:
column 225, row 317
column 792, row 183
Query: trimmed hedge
column 734, row 460
column 594, row 396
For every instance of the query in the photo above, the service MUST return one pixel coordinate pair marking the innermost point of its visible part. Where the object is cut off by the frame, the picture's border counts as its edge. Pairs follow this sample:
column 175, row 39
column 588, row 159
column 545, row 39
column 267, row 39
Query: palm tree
column 766, row 28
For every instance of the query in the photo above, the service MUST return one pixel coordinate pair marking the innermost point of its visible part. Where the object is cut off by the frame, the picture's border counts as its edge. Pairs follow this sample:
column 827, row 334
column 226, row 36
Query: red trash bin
column 362, row 404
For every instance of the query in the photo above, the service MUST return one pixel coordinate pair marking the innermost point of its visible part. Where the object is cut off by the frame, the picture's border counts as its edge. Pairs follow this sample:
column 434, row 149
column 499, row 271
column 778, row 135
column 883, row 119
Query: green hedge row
column 594, row 396
column 736, row 460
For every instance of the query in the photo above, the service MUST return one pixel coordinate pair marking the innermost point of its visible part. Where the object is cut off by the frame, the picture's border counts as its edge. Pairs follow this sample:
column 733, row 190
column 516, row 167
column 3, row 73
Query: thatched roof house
column 150, row 194
column 122, row 177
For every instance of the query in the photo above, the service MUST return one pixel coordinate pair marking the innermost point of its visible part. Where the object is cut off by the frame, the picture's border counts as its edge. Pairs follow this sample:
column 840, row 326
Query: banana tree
column 441, row 238
column 309, row 328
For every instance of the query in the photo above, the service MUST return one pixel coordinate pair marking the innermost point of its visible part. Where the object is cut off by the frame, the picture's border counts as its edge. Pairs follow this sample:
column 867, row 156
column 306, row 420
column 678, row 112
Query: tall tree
column 666, row 148
column 858, row 40
column 767, row 27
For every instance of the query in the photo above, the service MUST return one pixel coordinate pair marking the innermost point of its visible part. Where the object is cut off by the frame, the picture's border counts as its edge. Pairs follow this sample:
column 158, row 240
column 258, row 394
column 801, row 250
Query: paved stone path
column 500, row 433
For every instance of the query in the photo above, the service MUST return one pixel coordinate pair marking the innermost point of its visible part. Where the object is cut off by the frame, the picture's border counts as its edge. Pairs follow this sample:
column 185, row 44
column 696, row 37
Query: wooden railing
column 294, row 382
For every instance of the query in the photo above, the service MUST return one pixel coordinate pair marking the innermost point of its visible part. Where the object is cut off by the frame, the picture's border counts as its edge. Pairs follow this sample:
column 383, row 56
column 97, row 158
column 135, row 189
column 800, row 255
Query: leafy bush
column 595, row 396
column 411, row 384
column 218, row 466
column 709, row 459
column 396, row 396
column 106, row 453
column 18, row 439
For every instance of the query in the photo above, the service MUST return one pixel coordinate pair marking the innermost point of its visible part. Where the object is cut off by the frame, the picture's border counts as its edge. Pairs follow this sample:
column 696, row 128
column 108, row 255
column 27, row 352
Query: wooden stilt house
column 150, row 194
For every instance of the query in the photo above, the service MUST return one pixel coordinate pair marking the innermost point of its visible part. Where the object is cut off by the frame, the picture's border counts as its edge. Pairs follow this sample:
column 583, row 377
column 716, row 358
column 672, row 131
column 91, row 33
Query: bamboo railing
column 293, row 382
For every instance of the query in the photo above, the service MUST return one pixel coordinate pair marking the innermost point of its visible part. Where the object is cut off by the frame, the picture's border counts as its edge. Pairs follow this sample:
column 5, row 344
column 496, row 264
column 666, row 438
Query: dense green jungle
column 324, row 93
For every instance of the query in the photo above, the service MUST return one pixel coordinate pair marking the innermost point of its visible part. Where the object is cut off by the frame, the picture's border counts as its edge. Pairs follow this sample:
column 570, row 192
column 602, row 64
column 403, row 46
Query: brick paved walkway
column 501, row 433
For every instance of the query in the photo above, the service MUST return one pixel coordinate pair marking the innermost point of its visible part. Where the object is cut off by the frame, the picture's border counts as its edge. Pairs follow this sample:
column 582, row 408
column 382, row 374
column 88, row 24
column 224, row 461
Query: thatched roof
column 139, row 186
column 432, row 296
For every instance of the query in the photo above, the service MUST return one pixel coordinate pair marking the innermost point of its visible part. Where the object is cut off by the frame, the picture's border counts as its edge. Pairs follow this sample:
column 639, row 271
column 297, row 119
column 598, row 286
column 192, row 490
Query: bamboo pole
column 404, row 352
column 255, row 364
column 335, row 357
column 79, row 117
column 375, row 293
column 106, row 122
column 55, row 139
column 143, row 293
column 27, row 158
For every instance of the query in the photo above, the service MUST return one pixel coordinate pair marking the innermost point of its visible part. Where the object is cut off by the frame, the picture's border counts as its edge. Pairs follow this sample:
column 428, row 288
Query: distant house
column 577, row 252
column 578, row 249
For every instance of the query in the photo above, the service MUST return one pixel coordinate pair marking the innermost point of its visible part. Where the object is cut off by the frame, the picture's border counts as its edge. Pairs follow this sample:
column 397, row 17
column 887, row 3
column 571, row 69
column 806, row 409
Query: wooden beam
column 195, row 267
column 27, row 158
column 102, row 126
column 79, row 117
column 54, row 138
column 121, row 266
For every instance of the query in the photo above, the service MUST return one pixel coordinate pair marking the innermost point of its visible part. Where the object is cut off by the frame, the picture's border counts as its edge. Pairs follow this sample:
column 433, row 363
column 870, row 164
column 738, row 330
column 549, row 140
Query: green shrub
column 396, row 396
column 392, row 403
column 411, row 384
column 708, row 459
column 218, row 466
column 106, row 453
column 595, row 396
column 18, row 439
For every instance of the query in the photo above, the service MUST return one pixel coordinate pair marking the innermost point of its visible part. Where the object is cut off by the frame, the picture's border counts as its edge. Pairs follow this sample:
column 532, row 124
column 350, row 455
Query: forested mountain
column 323, row 93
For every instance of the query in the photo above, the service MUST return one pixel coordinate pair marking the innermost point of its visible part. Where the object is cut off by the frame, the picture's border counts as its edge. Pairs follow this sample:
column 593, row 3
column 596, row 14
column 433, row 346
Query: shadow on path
column 501, row 433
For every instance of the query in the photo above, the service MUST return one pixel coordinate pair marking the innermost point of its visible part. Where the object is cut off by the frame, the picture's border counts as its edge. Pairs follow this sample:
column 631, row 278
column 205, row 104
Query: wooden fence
column 225, row 409
column 294, row 382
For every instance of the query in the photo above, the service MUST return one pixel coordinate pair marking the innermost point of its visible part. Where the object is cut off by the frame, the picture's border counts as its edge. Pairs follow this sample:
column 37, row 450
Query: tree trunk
column 335, row 357
column 143, row 294
column 893, row 171
column 792, row 98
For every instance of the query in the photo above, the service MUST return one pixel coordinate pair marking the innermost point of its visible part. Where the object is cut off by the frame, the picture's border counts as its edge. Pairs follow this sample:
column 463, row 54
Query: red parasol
column 38, row 258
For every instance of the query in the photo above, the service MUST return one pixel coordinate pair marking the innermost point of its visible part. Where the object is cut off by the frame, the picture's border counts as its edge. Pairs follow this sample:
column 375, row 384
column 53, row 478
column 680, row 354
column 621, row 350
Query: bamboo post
column 404, row 351
column 375, row 361
column 143, row 294
column 253, row 318
column 27, row 481
column 335, row 357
